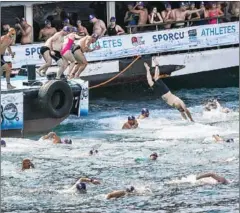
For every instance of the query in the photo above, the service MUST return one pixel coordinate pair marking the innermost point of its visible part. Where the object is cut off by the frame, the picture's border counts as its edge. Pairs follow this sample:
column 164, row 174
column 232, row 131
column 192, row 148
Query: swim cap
column 144, row 110
column 67, row 141
column 130, row 189
column 3, row 143
column 47, row 22
column 130, row 3
column 113, row 19
column 81, row 187
column 182, row 4
column 167, row 5
column 202, row 3
column 91, row 17
column 12, row 31
column 67, row 29
column 66, row 20
column 154, row 154
column 140, row 3
column 79, row 22
column 229, row 140
column 131, row 118
column 74, row 29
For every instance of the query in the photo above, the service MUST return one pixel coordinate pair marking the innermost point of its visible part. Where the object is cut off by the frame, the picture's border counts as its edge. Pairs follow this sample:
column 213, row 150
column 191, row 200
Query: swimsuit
column 161, row 87
column 57, row 55
column 2, row 61
column 75, row 48
column 112, row 31
column 43, row 49
column 213, row 13
column 67, row 46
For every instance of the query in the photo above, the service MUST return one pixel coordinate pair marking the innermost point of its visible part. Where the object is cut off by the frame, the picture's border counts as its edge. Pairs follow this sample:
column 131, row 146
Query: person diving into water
column 56, row 139
column 171, row 99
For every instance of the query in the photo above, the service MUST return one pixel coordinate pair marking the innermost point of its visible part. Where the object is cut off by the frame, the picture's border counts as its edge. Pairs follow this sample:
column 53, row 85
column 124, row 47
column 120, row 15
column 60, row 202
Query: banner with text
column 115, row 47
column 12, row 111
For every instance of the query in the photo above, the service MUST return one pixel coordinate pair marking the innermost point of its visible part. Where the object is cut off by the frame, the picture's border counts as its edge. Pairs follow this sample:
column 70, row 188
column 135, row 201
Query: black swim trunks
column 43, row 49
column 75, row 48
column 161, row 87
column 2, row 61
column 57, row 55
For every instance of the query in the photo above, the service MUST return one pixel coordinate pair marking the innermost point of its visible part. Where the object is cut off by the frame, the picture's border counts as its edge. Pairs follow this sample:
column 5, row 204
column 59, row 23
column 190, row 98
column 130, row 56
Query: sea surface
column 166, row 185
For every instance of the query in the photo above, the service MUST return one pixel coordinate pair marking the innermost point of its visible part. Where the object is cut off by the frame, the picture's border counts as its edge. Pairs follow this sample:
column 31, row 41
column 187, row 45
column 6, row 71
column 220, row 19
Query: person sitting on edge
column 131, row 123
column 3, row 143
column 217, row 138
column 56, row 139
column 165, row 93
column 80, row 185
column 144, row 113
column 27, row 164
column 121, row 193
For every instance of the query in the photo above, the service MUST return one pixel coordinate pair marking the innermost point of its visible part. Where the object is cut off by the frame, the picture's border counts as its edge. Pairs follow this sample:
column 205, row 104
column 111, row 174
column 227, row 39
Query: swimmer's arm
column 120, row 30
column 136, row 11
column 149, row 77
column 86, row 31
column 50, row 134
column 89, row 180
column 87, row 49
column 27, row 32
column 125, row 126
column 135, row 125
column 115, row 194
column 189, row 12
column 52, row 39
column 40, row 37
column 214, row 176
column 103, row 26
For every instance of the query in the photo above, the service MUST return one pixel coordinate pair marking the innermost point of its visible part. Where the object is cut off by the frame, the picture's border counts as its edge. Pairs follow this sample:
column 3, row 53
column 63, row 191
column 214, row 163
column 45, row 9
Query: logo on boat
column 192, row 34
column 84, row 93
column 168, row 37
column 9, row 112
column 136, row 41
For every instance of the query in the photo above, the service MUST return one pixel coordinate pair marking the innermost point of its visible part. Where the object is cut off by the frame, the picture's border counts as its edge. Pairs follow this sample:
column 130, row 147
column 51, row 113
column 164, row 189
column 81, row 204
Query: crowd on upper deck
column 137, row 16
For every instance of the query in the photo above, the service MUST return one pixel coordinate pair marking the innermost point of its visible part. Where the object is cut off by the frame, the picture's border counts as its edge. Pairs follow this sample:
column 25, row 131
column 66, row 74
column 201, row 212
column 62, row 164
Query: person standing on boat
column 27, row 164
column 167, row 96
column 79, row 48
column 114, row 29
column 167, row 15
column 6, row 42
column 51, row 50
column 26, row 31
column 99, row 27
column 47, row 32
column 82, row 31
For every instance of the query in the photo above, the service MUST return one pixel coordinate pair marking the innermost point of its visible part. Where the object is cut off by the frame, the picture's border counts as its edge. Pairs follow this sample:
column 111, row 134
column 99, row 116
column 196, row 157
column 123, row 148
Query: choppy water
column 185, row 149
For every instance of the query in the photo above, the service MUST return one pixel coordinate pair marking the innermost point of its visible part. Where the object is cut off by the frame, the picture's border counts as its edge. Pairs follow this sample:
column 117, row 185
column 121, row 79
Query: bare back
column 6, row 41
column 57, row 41
column 143, row 17
column 85, row 43
column 99, row 27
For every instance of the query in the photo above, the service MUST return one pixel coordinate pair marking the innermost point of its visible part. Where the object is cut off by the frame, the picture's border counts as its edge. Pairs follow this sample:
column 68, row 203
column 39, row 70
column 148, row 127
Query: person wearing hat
column 99, row 27
column 82, row 31
column 120, row 193
column 26, row 31
column 131, row 123
column 66, row 22
column 6, row 42
column 79, row 48
column 47, row 32
column 3, row 143
column 144, row 113
column 181, row 13
column 167, row 15
column 114, row 29
column 142, row 12
column 157, row 84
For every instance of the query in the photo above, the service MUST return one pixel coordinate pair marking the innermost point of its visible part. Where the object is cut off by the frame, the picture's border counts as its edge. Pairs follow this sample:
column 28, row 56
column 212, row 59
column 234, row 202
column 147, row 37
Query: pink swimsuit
column 67, row 46
column 213, row 13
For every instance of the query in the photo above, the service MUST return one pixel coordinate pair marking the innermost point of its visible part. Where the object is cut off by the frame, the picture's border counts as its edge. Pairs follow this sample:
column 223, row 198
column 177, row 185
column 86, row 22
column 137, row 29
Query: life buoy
column 56, row 98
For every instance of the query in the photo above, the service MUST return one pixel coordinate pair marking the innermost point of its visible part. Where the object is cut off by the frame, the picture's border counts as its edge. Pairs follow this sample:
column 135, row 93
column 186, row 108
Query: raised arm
column 214, row 176
column 149, row 77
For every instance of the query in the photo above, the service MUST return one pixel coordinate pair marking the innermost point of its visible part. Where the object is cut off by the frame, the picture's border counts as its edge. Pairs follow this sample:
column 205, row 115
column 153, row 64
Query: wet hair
column 3, row 143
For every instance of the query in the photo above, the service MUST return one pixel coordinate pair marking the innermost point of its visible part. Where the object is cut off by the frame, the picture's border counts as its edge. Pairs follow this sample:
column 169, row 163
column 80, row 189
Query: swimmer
column 214, row 104
column 91, row 152
column 6, row 41
column 120, row 193
column 66, row 50
column 3, row 143
column 80, row 185
column 153, row 157
column 166, row 94
column 131, row 123
column 27, row 164
column 56, row 139
column 217, row 138
column 144, row 114
column 216, row 177
column 79, row 48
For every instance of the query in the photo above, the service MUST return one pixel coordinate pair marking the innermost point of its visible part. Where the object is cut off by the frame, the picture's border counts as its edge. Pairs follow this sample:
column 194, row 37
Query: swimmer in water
column 164, row 91
column 92, row 152
column 80, row 185
column 56, row 139
column 120, row 193
column 214, row 176
column 3, row 143
column 214, row 104
column 153, row 157
column 27, row 164
column 131, row 123
column 217, row 138
column 144, row 114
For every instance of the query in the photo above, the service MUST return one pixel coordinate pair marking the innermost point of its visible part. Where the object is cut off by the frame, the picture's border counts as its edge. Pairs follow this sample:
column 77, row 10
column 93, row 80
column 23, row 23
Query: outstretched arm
column 149, row 77
column 49, row 135
column 89, row 180
column 214, row 176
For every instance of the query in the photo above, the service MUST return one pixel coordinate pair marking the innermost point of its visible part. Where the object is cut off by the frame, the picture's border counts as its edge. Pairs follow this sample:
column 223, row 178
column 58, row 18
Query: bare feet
column 40, row 73
column 9, row 86
column 155, row 61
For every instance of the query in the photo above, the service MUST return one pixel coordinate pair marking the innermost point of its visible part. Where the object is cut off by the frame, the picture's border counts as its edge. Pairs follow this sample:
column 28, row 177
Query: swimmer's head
column 74, row 30
column 66, row 30
column 131, row 120
column 3, row 143
column 168, row 6
column 67, row 141
column 81, row 187
column 130, row 5
column 113, row 19
column 27, row 164
column 140, row 5
column 94, row 37
column 92, row 18
column 130, row 189
column 11, row 32
column 47, row 23
column 183, row 6
column 145, row 112
column 66, row 22
column 154, row 156
column 91, row 152
column 79, row 22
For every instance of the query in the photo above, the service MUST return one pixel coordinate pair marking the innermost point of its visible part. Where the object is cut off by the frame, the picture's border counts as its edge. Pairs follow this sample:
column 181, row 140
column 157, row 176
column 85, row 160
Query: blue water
column 184, row 149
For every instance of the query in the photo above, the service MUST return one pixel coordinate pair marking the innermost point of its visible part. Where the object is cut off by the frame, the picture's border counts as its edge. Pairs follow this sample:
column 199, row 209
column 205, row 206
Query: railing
column 157, row 25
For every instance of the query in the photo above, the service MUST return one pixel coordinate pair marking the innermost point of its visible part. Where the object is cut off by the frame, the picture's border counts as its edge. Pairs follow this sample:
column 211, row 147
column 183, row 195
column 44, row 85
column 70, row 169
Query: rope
column 111, row 79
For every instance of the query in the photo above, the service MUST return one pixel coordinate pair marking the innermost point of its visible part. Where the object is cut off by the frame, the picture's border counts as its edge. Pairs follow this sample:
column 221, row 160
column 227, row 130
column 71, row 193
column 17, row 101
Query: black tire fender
column 56, row 98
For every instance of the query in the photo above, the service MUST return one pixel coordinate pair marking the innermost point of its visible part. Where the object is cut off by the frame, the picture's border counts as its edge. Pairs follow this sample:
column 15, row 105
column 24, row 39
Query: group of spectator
column 138, row 16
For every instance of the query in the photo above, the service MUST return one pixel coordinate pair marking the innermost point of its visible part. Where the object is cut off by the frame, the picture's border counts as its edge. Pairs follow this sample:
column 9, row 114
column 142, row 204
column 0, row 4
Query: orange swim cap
column 12, row 31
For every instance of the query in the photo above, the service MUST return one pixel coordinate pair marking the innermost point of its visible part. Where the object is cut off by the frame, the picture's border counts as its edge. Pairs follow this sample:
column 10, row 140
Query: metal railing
column 158, row 25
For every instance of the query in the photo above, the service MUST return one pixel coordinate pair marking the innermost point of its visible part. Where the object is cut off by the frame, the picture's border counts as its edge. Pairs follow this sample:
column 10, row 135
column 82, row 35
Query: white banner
column 12, row 111
column 115, row 47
